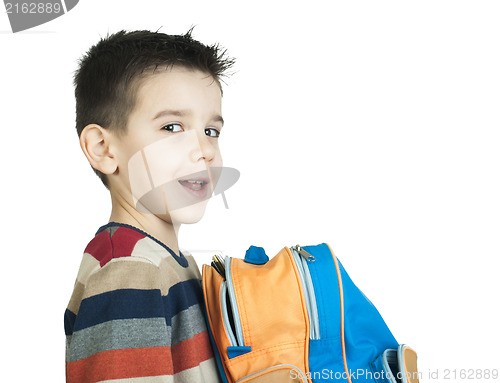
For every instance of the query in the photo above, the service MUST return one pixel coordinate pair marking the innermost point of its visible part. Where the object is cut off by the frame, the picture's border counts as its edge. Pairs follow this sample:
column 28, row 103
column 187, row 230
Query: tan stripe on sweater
column 124, row 273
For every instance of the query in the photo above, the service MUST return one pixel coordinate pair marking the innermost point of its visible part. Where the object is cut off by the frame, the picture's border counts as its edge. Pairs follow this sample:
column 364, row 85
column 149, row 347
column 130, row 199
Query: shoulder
column 117, row 259
column 120, row 242
column 120, row 258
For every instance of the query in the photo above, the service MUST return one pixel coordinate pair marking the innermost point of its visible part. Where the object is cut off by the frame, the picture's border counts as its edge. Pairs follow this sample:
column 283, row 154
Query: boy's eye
column 212, row 132
column 172, row 127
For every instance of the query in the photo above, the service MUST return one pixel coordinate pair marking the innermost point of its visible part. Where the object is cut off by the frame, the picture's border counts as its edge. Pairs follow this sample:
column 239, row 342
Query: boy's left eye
column 212, row 132
column 171, row 127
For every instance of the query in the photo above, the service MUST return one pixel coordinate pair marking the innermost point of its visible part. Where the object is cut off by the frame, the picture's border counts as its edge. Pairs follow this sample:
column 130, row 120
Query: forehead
column 178, row 88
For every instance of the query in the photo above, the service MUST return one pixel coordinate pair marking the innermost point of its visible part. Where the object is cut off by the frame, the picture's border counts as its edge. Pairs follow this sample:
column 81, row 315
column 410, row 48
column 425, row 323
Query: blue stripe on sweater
column 134, row 303
column 181, row 296
column 69, row 322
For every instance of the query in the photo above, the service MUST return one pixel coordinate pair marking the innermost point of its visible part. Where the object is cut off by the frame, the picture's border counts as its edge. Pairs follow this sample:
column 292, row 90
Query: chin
column 189, row 214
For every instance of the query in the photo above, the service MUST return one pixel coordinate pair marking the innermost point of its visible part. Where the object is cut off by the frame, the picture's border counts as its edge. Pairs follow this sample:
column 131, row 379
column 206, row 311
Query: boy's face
column 172, row 137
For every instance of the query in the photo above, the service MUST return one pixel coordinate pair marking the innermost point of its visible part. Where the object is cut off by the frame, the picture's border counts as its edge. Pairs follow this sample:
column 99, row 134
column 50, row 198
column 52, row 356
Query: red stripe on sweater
column 100, row 247
column 104, row 248
column 124, row 241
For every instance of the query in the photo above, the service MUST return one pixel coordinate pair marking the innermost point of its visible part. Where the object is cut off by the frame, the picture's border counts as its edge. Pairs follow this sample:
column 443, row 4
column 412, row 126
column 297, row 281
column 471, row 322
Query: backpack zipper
column 301, row 257
column 225, row 315
column 305, row 254
column 233, row 302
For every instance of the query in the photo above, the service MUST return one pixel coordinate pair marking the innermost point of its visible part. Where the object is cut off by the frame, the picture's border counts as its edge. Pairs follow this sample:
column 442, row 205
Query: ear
column 95, row 142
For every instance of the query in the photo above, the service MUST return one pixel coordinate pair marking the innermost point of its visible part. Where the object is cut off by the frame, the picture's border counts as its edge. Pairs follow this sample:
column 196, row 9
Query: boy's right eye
column 171, row 127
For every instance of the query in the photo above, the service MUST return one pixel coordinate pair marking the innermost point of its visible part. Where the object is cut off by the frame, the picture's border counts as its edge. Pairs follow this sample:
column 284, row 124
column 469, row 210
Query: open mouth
column 196, row 186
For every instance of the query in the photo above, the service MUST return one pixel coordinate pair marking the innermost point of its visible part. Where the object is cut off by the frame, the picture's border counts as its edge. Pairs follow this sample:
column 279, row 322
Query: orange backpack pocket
column 242, row 308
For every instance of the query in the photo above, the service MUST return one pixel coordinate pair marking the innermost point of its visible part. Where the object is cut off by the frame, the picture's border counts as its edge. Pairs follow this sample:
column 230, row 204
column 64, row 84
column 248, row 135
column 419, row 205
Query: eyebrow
column 183, row 113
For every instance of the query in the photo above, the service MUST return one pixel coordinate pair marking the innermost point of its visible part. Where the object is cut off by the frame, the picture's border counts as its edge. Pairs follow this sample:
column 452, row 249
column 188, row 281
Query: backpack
column 297, row 317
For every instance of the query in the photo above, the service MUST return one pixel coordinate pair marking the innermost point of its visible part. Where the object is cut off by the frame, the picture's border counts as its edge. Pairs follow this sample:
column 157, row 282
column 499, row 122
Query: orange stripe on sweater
column 191, row 352
column 120, row 364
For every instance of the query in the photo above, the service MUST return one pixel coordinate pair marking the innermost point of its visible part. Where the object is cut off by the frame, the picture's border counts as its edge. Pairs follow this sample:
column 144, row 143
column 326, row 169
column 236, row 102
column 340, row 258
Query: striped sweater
column 136, row 313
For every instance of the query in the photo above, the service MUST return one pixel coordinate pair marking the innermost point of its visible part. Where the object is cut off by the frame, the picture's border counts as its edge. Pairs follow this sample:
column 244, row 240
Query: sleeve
column 119, row 330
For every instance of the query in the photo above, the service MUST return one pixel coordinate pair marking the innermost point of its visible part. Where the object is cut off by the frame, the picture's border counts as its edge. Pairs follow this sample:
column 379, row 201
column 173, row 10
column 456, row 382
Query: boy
column 148, row 114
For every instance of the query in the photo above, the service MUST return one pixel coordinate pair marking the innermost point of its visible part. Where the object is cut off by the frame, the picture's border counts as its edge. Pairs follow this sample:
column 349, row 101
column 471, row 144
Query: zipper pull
column 309, row 257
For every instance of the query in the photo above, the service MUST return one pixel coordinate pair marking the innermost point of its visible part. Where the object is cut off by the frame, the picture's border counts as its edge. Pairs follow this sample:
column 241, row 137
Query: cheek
column 129, row 150
column 218, row 159
column 152, row 166
column 217, row 152
column 163, row 159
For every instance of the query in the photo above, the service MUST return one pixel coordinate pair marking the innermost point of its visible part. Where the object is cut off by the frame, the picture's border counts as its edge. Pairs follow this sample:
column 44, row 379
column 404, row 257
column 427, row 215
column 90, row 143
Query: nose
column 204, row 148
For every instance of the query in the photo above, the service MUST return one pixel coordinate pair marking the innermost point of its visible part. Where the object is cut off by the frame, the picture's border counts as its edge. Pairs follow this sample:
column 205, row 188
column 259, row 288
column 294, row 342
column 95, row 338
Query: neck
column 162, row 229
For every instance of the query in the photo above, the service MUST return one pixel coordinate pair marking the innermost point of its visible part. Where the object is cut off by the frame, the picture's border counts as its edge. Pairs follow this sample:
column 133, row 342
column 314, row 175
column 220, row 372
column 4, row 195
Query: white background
column 370, row 125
